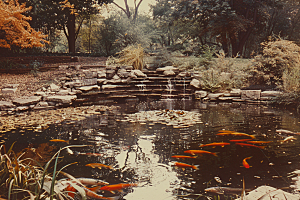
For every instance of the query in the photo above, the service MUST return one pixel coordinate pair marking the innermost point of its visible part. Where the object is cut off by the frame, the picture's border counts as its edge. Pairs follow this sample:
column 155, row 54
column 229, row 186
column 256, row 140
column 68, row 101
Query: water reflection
column 141, row 152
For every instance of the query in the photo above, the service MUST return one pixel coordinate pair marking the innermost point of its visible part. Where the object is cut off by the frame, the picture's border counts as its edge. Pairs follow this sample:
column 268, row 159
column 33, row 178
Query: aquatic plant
column 22, row 178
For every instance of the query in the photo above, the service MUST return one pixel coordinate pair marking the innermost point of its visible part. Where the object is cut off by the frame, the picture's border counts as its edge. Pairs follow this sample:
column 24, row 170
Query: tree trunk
column 71, row 33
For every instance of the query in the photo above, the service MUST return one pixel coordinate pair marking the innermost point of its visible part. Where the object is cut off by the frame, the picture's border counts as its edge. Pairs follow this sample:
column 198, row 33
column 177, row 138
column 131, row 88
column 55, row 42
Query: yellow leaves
column 17, row 30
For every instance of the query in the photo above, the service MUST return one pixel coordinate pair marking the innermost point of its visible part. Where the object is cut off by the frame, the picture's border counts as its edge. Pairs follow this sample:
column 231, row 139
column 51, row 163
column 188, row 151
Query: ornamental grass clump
column 132, row 55
column 25, row 178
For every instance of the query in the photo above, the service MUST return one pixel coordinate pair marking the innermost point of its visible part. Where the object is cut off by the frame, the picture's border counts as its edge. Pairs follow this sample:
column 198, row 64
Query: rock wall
column 87, row 85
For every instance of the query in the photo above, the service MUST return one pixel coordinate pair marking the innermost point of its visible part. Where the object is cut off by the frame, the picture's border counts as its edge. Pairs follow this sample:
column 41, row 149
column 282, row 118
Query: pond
column 139, row 147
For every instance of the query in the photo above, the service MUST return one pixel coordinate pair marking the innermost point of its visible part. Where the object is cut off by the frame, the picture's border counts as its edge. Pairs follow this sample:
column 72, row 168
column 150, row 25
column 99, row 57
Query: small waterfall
column 142, row 86
column 170, row 87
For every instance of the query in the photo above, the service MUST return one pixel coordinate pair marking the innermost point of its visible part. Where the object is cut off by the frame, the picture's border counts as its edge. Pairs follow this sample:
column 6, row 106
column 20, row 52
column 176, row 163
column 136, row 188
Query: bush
column 278, row 57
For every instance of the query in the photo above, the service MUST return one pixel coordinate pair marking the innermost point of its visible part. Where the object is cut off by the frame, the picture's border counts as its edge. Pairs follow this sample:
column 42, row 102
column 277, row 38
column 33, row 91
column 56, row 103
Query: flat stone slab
column 250, row 94
column 9, row 90
column 108, row 87
column 89, row 88
column 200, row 94
column 62, row 98
column 215, row 96
column 23, row 101
column 235, row 92
column 6, row 104
column 270, row 93
column 166, row 68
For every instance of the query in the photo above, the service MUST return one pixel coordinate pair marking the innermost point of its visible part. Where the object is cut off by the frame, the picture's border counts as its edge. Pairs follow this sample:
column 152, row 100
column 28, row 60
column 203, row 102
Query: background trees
column 15, row 30
column 235, row 26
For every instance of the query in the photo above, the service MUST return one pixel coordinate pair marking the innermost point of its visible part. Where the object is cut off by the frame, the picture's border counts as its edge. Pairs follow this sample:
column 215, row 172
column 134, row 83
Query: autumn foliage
column 15, row 29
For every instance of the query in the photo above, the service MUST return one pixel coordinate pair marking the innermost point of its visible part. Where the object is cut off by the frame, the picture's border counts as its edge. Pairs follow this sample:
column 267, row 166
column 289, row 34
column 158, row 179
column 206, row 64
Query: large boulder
column 195, row 83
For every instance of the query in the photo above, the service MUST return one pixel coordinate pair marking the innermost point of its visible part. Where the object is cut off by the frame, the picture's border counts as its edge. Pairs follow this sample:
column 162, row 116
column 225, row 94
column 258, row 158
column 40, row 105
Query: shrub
column 278, row 57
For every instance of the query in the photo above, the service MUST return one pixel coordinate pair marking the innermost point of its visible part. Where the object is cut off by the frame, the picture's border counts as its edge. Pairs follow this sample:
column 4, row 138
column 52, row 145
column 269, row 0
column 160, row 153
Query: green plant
column 35, row 66
column 278, row 57
column 7, row 64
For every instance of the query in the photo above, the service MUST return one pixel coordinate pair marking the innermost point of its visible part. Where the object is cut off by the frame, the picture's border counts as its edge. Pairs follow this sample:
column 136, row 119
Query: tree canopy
column 15, row 29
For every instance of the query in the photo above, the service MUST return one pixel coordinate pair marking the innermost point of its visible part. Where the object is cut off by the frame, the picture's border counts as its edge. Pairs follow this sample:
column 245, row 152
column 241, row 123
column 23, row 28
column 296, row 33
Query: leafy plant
column 278, row 57
column 35, row 66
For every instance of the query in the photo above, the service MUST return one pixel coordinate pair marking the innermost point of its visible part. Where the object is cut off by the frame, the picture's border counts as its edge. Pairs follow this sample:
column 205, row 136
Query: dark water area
column 141, row 152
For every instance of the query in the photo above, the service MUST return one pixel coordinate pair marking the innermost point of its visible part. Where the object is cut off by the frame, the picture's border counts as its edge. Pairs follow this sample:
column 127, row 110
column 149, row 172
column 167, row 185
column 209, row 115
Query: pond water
column 141, row 152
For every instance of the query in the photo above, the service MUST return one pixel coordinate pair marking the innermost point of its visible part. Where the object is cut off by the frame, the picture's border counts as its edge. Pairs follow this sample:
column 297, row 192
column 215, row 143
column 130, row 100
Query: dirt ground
column 30, row 83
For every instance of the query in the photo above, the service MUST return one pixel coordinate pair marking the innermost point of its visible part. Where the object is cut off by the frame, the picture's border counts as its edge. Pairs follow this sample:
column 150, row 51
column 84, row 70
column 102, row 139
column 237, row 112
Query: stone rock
column 184, row 74
column 77, row 67
column 43, row 94
column 169, row 73
column 75, row 59
column 166, row 68
column 76, row 91
column 110, row 73
column 101, row 74
column 6, row 104
column 90, row 74
column 42, row 104
column 23, row 101
column 90, row 81
column 22, row 108
column 123, row 73
column 129, row 68
column 63, row 67
column 108, row 87
column 89, row 88
column 195, row 83
column 270, row 93
column 101, row 81
column 138, row 73
column 9, row 90
column 11, row 85
column 270, row 193
column 226, row 98
column 116, row 77
column 62, row 98
column 76, row 83
column 63, row 92
column 214, row 96
column 200, row 94
column 235, row 93
column 54, row 88
column 111, row 67
column 250, row 94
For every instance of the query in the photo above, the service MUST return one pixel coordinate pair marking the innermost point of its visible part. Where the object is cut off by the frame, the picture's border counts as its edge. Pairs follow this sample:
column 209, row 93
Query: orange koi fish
column 236, row 133
column 59, row 140
column 89, row 192
column 222, row 144
column 194, row 152
column 98, row 165
column 119, row 186
column 241, row 140
column 258, row 142
column 250, row 145
column 183, row 157
column 245, row 164
column 184, row 165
